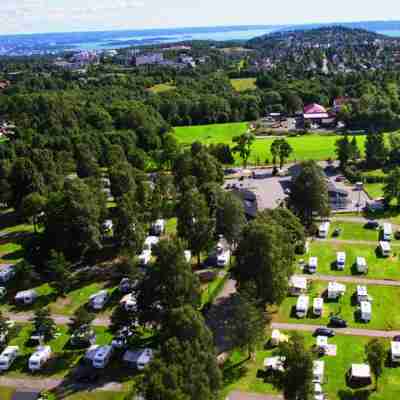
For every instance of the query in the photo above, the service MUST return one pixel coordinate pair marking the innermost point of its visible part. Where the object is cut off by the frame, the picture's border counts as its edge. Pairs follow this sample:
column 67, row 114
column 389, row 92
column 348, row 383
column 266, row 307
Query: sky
column 35, row 16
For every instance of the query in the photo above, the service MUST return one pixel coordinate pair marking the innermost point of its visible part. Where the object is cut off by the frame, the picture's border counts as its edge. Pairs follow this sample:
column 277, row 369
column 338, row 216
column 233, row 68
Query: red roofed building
column 315, row 111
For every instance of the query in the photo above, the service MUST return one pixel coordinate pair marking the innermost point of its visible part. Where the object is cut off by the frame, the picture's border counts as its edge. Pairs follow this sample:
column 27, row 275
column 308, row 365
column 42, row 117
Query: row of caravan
column 35, row 363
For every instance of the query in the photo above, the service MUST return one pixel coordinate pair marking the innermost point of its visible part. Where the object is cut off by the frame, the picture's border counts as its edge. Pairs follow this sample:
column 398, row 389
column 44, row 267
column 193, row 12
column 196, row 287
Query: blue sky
column 28, row 16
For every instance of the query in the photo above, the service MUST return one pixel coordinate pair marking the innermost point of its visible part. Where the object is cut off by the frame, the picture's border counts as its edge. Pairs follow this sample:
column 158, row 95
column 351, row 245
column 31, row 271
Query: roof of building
column 360, row 371
column 314, row 109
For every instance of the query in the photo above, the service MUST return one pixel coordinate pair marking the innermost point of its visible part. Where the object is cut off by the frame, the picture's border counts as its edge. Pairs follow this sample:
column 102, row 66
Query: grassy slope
column 241, row 85
column 305, row 147
column 162, row 87
column 374, row 190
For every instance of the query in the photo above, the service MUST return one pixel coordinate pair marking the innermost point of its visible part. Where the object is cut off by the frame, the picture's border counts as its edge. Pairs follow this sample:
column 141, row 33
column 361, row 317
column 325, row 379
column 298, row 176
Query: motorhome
column 145, row 257
column 323, row 230
column 362, row 294
column 318, row 371
column 312, row 265
column 395, row 351
column 278, row 337
column 318, row 306
column 360, row 374
column 129, row 302
column 158, row 227
column 39, row 358
column 139, row 358
column 387, row 232
column 384, row 248
column 102, row 356
column 302, row 306
column 361, row 265
column 340, row 260
column 7, row 272
column 8, row 356
column 365, row 311
column 335, row 290
column 98, row 300
column 297, row 285
column 26, row 297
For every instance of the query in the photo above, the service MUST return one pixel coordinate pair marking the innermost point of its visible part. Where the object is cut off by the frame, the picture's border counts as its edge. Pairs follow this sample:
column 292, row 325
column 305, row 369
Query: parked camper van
column 387, row 232
column 145, row 257
column 98, row 300
column 102, row 356
column 39, row 358
column 26, row 297
column 395, row 351
column 7, row 272
column 340, row 260
column 158, row 227
column 150, row 242
column 318, row 371
column 8, row 356
column 302, row 306
column 384, row 248
column 312, row 265
column 335, row 290
column 318, row 306
column 361, row 265
column 365, row 311
column 323, row 230
column 129, row 302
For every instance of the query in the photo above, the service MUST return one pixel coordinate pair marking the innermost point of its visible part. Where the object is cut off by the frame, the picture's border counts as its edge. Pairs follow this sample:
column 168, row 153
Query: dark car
column 372, row 225
column 337, row 322
column 324, row 332
column 87, row 375
column 396, row 338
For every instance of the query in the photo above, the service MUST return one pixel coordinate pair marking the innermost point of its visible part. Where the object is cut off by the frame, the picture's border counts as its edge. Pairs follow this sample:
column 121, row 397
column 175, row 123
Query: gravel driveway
column 351, row 279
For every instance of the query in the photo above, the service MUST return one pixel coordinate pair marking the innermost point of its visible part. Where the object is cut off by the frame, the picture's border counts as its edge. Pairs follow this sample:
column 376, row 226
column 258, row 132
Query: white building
column 8, row 356
column 102, row 356
column 323, row 230
column 385, row 248
column 395, row 351
column 361, row 265
column 297, row 285
column 318, row 306
column 340, row 260
column 336, row 290
column 318, row 371
column 312, row 265
column 365, row 311
column 302, row 306
column 39, row 358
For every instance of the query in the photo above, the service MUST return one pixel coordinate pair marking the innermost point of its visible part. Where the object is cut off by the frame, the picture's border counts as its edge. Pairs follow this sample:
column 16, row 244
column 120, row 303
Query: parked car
column 324, row 332
column 372, row 225
column 337, row 322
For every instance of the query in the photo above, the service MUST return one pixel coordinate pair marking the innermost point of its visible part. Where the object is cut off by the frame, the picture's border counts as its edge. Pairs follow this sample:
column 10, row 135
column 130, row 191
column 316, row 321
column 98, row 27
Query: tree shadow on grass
column 361, row 394
column 232, row 372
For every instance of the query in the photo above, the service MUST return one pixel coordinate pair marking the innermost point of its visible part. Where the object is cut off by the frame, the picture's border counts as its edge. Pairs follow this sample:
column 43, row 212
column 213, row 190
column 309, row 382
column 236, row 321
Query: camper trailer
column 365, row 311
column 318, row 306
column 361, row 265
column 335, row 290
column 274, row 364
column 98, row 300
column 39, row 358
column 395, row 351
column 297, row 285
column 7, row 272
column 312, row 265
column 340, row 260
column 318, row 371
column 302, row 306
column 360, row 374
column 384, row 248
column 387, row 232
column 26, row 297
column 139, row 359
column 102, row 356
column 145, row 257
column 362, row 294
column 158, row 227
column 129, row 302
column 8, row 356
column 323, row 230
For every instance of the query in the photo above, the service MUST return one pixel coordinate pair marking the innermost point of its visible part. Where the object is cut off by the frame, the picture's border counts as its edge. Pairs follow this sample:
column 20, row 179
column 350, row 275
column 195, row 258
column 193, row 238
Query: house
column 26, row 297
column 387, row 232
column 145, row 257
column 139, row 358
column 365, row 311
column 340, row 260
column 315, row 113
column 312, row 265
column 98, row 300
column 395, row 351
column 297, row 285
column 361, row 265
column 158, row 227
column 335, row 290
column 362, row 294
column 302, row 306
column 384, row 248
column 39, row 358
column 318, row 306
column 323, row 230
column 318, row 371
column 278, row 337
column 7, row 272
column 360, row 374
column 274, row 363
column 129, row 302
column 8, row 356
column 102, row 356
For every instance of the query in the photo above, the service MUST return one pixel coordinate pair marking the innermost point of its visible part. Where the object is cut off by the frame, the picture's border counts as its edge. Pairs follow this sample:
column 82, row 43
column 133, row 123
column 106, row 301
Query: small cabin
column 387, row 232
column 302, row 306
column 340, row 260
column 395, row 352
column 323, row 230
column 335, row 290
column 365, row 311
column 360, row 374
column 384, row 248
column 361, row 265
column 313, row 265
column 318, row 371
column 297, row 285
column 318, row 306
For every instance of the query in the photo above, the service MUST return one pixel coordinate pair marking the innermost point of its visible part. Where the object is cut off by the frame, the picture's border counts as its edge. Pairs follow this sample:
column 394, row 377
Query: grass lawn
column 239, row 375
column 240, row 85
column 374, row 190
column 379, row 267
column 316, row 147
column 382, row 318
column 98, row 395
column 170, row 226
column 353, row 231
column 6, row 393
column 162, row 87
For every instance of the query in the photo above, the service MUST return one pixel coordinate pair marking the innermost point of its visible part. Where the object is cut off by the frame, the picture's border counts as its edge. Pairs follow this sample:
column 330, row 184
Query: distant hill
column 337, row 35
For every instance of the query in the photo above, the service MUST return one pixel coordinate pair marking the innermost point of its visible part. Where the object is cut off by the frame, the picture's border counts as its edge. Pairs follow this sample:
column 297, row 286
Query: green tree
column 44, row 324
column 32, row 205
column 298, row 375
column 122, row 179
column 243, row 145
column 309, row 192
column 355, row 151
column 391, row 189
column 81, row 317
column 343, row 150
column 376, row 353
column 60, row 271
column 375, row 150
column 281, row 149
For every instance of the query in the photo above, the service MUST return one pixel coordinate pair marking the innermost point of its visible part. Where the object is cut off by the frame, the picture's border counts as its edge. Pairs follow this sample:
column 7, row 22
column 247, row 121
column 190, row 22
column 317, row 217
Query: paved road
column 351, row 279
column 238, row 395
column 345, row 331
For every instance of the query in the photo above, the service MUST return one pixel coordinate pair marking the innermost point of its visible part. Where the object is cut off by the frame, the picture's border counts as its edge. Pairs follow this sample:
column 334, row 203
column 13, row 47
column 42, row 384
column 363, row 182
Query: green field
column 317, row 147
column 162, row 87
column 353, row 231
column 241, row 85
column 245, row 376
column 384, row 298
column 374, row 190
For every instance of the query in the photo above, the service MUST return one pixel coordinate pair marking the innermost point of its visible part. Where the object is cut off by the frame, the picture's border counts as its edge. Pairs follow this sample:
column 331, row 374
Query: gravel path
column 351, row 279
column 238, row 395
column 345, row 331
column 343, row 241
